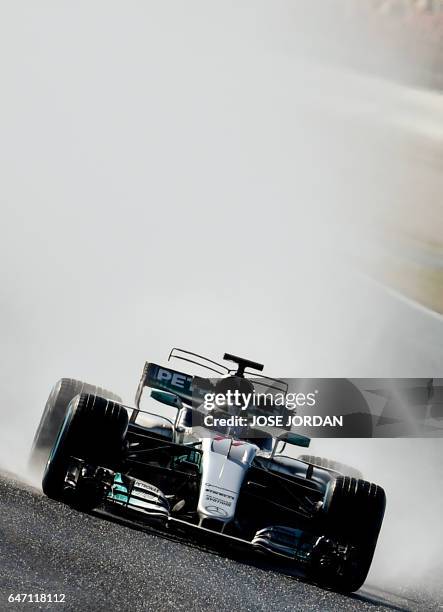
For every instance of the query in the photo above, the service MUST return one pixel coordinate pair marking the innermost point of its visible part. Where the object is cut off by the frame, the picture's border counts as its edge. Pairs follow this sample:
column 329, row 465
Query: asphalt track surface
column 101, row 564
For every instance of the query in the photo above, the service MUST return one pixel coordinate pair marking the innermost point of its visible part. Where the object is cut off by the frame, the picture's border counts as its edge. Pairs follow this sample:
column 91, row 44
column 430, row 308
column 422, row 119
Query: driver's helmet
column 233, row 384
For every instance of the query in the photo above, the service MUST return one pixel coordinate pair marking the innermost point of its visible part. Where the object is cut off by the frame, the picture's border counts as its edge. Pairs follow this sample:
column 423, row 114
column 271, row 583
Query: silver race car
column 221, row 478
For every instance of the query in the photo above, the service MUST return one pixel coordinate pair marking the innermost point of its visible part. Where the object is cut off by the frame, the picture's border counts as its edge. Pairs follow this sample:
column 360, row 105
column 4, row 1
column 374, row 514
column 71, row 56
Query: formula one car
column 229, row 481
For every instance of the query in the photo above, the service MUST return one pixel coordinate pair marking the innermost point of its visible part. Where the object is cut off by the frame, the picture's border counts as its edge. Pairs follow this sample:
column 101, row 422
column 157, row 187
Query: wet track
column 101, row 565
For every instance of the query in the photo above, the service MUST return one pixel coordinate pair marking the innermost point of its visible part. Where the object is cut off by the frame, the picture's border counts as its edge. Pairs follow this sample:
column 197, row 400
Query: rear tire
column 94, row 429
column 354, row 511
column 336, row 466
column 53, row 415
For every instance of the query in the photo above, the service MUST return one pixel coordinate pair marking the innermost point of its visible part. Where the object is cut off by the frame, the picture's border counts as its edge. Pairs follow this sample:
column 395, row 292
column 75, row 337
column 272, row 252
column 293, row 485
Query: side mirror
column 167, row 398
column 290, row 437
column 294, row 438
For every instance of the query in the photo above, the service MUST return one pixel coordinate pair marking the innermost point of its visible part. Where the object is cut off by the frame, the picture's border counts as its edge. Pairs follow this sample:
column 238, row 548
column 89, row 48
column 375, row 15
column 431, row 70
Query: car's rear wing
column 176, row 388
column 190, row 389
column 165, row 379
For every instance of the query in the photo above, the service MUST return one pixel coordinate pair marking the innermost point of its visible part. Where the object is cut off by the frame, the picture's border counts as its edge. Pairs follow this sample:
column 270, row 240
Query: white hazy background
column 189, row 174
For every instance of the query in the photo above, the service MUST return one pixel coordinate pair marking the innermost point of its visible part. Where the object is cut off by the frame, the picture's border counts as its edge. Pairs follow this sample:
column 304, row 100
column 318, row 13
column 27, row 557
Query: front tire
column 353, row 515
column 53, row 415
column 94, row 430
